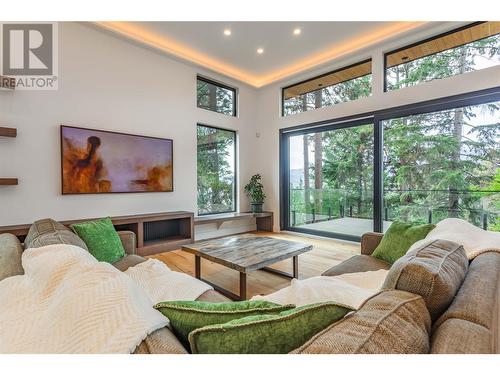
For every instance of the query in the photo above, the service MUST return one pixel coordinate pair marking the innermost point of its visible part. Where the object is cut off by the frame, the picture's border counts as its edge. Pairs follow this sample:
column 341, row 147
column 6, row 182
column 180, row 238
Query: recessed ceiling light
column 227, row 32
column 297, row 31
column 260, row 51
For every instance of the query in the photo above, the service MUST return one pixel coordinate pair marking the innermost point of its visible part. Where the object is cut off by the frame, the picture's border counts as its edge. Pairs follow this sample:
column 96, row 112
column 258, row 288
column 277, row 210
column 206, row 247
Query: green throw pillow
column 101, row 238
column 267, row 334
column 186, row 316
column 399, row 238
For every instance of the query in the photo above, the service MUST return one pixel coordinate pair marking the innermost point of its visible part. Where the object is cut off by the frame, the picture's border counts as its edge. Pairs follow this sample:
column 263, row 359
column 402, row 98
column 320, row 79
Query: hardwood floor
column 325, row 254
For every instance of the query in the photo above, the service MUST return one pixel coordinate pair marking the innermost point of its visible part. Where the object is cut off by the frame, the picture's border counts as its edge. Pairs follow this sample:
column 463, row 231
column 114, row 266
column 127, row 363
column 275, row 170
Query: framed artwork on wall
column 99, row 161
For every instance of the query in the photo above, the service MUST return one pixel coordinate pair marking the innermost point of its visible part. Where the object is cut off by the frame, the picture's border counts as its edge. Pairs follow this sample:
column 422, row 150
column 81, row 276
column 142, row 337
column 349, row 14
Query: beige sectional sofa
column 434, row 301
column 470, row 324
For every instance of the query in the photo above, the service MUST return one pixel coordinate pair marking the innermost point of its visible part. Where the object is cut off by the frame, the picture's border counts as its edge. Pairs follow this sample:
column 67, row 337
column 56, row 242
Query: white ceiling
column 284, row 54
column 281, row 46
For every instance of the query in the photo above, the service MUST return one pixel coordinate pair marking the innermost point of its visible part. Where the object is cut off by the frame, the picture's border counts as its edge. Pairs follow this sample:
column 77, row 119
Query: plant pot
column 257, row 207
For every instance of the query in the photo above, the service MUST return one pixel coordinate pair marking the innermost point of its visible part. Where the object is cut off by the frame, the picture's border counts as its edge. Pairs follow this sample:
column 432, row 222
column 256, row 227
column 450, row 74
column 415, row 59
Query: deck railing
column 481, row 208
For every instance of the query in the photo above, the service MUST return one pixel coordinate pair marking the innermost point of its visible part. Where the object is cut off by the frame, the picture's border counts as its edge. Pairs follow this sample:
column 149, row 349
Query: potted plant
column 255, row 191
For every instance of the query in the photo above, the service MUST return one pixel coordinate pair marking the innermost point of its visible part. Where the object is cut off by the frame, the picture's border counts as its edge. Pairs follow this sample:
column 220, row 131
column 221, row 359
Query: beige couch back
column 470, row 324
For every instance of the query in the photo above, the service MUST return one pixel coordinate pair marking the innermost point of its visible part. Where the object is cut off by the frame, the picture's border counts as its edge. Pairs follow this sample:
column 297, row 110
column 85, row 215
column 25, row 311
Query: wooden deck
column 325, row 254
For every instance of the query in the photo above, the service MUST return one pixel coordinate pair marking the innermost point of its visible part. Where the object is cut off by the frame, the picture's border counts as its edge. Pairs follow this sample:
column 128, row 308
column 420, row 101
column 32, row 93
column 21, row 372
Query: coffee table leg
column 197, row 267
column 295, row 261
column 243, row 286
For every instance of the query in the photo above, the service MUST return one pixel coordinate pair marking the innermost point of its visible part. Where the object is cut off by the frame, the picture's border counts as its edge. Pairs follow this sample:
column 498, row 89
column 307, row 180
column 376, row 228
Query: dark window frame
column 329, row 125
column 375, row 117
column 235, row 178
column 320, row 76
column 223, row 86
column 430, row 39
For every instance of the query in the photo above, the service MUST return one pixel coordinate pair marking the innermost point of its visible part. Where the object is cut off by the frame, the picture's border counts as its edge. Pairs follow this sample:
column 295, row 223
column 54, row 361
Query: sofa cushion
column 457, row 336
column 49, row 232
column 357, row 263
column 186, row 316
column 129, row 240
column 101, row 238
column 161, row 341
column 477, row 298
column 398, row 239
column 266, row 334
column 212, row 296
column 435, row 271
column 128, row 261
column 392, row 321
column 11, row 251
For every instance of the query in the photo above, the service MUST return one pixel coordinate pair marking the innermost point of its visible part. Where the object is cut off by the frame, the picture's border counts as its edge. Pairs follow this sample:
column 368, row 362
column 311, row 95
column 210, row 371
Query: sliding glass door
column 330, row 181
column 418, row 164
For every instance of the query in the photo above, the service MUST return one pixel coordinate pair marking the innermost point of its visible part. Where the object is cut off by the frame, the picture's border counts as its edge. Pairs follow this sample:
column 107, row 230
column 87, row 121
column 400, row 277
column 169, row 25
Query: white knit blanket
column 162, row 284
column 68, row 302
column 475, row 240
column 350, row 289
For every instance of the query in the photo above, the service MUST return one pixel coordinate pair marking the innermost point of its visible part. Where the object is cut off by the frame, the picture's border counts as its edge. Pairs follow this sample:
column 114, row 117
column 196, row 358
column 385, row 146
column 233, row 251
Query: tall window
column 444, row 164
column 215, row 96
column 343, row 85
column 463, row 50
column 216, row 170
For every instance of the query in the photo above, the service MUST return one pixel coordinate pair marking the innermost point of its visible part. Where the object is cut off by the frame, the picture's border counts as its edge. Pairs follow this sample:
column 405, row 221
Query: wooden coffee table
column 246, row 253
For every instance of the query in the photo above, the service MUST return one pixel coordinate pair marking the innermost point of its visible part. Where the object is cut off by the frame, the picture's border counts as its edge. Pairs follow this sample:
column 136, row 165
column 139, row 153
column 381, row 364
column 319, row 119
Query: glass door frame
column 376, row 118
column 285, row 135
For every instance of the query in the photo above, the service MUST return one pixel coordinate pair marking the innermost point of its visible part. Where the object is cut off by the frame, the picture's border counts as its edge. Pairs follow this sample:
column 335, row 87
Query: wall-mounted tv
column 98, row 161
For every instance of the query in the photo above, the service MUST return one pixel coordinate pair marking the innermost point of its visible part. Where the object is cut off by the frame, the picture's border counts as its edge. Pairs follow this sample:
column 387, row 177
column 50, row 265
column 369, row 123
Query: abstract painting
column 97, row 161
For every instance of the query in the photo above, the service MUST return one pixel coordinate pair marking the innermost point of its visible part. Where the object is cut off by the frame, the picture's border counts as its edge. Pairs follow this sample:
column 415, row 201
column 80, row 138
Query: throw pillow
column 434, row 271
column 46, row 232
column 266, row 334
column 391, row 322
column 101, row 239
column 398, row 239
column 186, row 316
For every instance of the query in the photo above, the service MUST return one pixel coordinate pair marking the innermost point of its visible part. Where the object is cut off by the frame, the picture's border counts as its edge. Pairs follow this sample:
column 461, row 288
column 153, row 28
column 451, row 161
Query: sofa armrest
column 10, row 256
column 128, row 241
column 369, row 242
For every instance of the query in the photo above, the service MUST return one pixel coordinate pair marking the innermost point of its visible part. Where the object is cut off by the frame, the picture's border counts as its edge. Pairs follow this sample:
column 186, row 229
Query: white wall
column 270, row 120
column 109, row 83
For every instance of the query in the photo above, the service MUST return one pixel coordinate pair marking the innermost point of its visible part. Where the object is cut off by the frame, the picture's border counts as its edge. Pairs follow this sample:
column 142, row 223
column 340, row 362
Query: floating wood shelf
column 8, row 132
column 8, row 181
column 7, row 83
